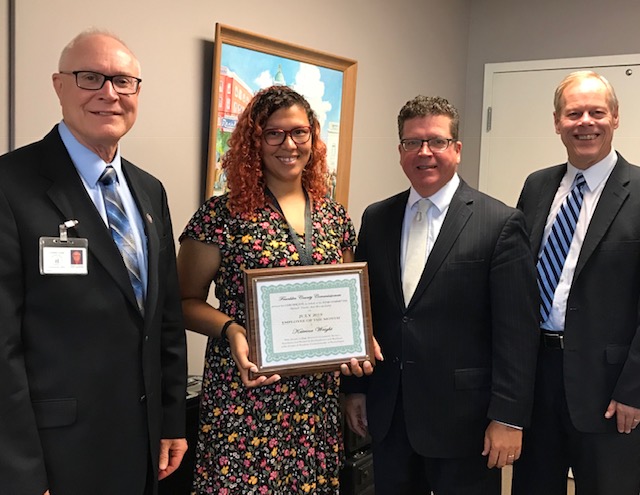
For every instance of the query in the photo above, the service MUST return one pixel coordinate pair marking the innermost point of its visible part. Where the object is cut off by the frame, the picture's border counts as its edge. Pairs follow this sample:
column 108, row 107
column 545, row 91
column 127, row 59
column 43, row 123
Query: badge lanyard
column 306, row 250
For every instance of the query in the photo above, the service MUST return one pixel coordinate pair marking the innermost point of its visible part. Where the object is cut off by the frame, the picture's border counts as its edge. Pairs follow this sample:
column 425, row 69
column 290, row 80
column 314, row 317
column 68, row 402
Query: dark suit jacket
column 602, row 339
column 88, row 386
column 463, row 351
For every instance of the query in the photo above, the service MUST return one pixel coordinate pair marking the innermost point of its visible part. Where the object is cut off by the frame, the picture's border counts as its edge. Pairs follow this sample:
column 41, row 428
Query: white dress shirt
column 596, row 177
column 440, row 202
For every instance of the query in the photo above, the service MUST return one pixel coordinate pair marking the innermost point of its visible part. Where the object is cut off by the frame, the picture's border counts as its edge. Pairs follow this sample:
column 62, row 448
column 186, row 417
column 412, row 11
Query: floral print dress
column 282, row 438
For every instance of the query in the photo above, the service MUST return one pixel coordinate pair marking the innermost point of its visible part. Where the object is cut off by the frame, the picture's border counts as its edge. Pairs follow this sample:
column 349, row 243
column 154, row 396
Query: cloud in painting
column 308, row 82
column 264, row 80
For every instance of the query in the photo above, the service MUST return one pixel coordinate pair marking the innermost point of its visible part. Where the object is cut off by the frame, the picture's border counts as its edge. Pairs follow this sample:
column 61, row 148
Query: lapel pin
column 149, row 218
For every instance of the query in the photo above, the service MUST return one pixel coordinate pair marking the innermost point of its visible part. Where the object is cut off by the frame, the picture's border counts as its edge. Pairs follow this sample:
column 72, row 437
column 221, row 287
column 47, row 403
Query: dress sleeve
column 209, row 223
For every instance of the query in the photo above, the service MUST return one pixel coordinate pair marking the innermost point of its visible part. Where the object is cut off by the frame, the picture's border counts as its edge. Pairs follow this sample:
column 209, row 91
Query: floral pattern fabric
column 277, row 439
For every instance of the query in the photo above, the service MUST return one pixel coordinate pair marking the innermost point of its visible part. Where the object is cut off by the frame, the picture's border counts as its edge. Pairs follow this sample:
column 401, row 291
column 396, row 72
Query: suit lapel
column 69, row 195
column 393, row 242
column 460, row 210
column 136, row 184
column 613, row 196
column 545, row 198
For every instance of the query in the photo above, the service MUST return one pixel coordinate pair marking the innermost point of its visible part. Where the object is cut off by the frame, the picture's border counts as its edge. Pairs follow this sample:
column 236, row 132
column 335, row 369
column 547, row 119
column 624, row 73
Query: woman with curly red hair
column 275, row 435
column 243, row 163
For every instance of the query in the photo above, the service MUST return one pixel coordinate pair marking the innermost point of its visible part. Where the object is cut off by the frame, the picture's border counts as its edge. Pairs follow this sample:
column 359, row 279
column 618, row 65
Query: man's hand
column 627, row 417
column 171, row 453
column 502, row 444
column 353, row 368
column 356, row 413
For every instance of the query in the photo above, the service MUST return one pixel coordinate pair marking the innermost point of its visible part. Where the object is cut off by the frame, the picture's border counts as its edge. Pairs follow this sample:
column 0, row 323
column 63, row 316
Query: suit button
column 146, row 338
column 405, row 319
column 143, row 398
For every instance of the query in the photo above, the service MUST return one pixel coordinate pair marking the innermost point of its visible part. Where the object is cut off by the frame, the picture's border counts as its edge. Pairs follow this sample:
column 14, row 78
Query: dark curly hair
column 243, row 161
column 426, row 106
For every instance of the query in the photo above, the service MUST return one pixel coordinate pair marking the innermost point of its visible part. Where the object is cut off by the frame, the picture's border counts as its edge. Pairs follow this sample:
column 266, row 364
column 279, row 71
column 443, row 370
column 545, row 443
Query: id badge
column 64, row 255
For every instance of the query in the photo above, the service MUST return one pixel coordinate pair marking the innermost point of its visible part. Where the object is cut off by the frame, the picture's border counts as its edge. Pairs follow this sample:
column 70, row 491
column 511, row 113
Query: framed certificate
column 308, row 319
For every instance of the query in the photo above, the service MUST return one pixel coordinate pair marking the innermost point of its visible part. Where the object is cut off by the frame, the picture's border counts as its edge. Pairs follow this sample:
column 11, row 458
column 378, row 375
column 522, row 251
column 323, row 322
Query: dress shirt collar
column 441, row 199
column 596, row 174
column 89, row 165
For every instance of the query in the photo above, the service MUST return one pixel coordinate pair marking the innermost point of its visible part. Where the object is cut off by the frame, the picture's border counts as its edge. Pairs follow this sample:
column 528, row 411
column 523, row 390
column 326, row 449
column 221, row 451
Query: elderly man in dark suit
column 92, row 354
column 587, row 399
column 454, row 301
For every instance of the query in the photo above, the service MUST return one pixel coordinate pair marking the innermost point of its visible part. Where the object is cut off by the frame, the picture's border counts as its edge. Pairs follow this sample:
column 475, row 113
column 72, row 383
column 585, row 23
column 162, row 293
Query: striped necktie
column 557, row 246
column 121, row 231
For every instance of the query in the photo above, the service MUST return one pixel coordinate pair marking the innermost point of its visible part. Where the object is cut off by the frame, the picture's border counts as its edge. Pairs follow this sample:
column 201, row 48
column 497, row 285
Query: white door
column 518, row 136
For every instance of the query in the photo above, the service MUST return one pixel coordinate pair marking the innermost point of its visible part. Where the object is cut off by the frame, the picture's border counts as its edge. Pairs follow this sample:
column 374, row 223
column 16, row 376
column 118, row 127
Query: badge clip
column 69, row 224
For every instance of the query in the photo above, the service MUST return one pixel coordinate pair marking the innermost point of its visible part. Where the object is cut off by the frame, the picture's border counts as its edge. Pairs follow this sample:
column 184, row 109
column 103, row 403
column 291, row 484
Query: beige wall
column 403, row 48
column 516, row 30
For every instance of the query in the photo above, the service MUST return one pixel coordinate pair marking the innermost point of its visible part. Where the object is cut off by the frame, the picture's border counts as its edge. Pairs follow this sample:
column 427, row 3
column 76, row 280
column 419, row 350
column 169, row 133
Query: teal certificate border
column 270, row 356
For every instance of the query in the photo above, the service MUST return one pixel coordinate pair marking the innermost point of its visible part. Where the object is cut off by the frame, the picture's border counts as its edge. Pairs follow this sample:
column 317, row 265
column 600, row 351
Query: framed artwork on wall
column 245, row 62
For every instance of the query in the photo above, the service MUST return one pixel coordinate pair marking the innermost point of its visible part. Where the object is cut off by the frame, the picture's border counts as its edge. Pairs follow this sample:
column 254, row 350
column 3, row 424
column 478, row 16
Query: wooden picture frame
column 308, row 319
column 243, row 54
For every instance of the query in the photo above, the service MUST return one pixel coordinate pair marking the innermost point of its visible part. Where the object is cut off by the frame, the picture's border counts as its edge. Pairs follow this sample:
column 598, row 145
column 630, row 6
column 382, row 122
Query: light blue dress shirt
column 90, row 167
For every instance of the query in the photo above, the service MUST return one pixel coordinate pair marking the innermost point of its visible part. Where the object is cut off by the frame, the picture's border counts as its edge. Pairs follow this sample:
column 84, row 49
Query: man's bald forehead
column 82, row 38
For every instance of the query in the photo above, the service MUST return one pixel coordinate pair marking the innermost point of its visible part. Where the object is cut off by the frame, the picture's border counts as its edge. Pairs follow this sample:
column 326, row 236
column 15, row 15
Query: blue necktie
column 557, row 246
column 121, row 231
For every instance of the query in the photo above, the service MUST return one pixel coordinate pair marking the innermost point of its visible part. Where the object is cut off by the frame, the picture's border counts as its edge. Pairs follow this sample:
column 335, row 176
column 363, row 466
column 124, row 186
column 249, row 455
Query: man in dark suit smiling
column 453, row 298
column 92, row 354
column 587, row 399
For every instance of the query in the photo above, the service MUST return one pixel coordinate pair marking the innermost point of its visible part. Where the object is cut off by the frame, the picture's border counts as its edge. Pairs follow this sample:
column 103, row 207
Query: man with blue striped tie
column 92, row 342
column 584, row 224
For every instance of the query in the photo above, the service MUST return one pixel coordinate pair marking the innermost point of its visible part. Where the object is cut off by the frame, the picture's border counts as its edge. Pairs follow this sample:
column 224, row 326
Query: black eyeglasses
column 93, row 81
column 275, row 137
column 436, row 144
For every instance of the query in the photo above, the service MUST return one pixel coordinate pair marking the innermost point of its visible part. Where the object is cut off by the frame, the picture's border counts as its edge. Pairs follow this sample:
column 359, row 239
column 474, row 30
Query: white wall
column 516, row 30
column 403, row 48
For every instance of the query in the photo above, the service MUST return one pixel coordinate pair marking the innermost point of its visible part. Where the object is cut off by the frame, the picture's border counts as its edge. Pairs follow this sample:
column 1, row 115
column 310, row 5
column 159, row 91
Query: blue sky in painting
column 322, row 87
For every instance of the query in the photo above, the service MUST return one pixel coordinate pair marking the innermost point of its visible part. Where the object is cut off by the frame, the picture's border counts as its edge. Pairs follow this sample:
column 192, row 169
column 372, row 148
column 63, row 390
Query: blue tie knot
column 579, row 182
column 109, row 176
